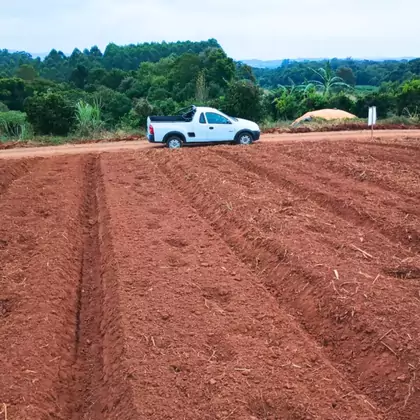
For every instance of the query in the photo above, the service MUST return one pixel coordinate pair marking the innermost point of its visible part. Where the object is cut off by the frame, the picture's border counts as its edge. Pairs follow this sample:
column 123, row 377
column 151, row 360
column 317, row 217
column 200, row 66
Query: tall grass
column 13, row 125
column 88, row 119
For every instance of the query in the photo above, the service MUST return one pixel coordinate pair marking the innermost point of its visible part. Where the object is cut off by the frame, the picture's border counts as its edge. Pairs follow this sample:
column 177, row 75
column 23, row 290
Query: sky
column 257, row 29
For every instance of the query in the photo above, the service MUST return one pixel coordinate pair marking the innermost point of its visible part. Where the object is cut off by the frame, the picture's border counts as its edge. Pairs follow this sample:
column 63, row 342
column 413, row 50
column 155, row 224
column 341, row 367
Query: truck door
column 219, row 128
column 201, row 128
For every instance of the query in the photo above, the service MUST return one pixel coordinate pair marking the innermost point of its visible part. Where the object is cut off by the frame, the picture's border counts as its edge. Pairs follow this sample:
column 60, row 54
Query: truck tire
column 244, row 138
column 174, row 142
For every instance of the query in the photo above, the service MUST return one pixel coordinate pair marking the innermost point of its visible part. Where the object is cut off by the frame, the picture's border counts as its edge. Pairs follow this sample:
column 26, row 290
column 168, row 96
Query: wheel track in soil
column 59, row 298
column 247, row 251
column 346, row 210
column 88, row 365
column 99, row 339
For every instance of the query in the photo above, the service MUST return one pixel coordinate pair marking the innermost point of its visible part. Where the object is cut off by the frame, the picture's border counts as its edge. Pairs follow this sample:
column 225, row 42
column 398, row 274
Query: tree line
column 353, row 72
column 90, row 91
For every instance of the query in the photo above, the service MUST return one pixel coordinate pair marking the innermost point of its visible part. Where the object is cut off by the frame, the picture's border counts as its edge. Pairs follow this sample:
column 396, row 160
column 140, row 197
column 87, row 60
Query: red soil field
column 279, row 281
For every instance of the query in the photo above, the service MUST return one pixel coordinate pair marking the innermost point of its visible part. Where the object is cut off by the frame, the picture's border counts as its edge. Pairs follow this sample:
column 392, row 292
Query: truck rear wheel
column 244, row 138
column 174, row 142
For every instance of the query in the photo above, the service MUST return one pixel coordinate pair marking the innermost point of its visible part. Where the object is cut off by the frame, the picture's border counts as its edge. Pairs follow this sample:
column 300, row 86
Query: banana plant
column 328, row 80
column 291, row 88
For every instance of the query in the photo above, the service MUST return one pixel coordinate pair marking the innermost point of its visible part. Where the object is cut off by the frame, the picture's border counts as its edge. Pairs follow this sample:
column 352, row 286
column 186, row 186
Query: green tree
column 113, row 79
column 114, row 105
column 166, row 107
column 385, row 103
column 26, row 72
column 201, row 90
column 96, row 76
column 13, row 92
column 341, row 101
column 183, row 76
column 408, row 98
column 137, row 116
column 287, row 106
column 219, row 67
column 50, row 113
column 79, row 76
column 131, row 87
column 312, row 101
column 347, row 75
column 414, row 66
column 243, row 99
column 245, row 72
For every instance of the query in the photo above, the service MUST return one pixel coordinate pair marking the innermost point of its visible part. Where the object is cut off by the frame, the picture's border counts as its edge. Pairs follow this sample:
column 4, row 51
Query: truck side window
column 214, row 118
column 202, row 118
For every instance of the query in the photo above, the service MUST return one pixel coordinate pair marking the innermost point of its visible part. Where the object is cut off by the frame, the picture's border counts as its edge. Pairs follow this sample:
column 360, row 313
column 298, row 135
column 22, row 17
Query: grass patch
column 103, row 136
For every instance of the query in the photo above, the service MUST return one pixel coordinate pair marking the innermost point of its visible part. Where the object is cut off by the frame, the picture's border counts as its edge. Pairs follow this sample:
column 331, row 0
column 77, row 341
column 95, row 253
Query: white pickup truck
column 200, row 125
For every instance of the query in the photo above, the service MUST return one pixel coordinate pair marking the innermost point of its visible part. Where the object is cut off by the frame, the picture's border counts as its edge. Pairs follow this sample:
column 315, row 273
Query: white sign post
column 372, row 119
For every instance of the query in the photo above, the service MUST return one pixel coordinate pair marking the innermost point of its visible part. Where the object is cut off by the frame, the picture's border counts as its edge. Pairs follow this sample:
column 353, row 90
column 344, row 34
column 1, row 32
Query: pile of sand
column 326, row 114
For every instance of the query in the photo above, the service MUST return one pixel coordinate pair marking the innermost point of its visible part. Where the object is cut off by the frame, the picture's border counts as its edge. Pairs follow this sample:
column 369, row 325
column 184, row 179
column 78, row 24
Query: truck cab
column 200, row 125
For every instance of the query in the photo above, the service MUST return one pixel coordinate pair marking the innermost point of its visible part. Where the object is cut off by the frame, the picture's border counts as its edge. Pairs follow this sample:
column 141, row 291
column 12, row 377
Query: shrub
column 114, row 105
column 243, row 99
column 142, row 109
column 3, row 107
column 409, row 96
column 341, row 101
column 50, row 113
column 137, row 117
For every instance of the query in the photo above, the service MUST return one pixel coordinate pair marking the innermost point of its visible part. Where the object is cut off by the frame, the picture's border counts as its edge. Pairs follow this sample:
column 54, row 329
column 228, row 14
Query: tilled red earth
column 257, row 283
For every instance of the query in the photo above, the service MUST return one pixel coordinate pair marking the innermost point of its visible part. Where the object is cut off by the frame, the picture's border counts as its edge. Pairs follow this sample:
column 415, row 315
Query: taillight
column 151, row 130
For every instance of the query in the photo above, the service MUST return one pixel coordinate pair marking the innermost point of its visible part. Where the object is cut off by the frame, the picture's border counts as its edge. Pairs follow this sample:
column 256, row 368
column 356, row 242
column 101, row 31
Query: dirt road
column 279, row 281
column 69, row 149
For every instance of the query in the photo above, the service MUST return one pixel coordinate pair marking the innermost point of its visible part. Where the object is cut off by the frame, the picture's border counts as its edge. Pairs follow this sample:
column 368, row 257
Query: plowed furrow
column 12, row 170
column 406, row 144
column 360, row 208
column 330, row 295
column 205, row 340
column 390, row 176
column 375, row 152
column 40, row 242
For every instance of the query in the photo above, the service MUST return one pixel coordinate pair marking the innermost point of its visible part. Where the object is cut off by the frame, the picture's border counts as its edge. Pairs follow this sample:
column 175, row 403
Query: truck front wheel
column 174, row 142
column 244, row 138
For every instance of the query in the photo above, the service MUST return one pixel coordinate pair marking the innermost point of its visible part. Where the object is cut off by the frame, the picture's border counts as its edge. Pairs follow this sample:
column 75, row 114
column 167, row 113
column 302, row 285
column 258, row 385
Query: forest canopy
column 120, row 86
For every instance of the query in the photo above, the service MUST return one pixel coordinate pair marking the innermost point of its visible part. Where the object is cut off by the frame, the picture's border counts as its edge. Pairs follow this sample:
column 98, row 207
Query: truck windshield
column 228, row 116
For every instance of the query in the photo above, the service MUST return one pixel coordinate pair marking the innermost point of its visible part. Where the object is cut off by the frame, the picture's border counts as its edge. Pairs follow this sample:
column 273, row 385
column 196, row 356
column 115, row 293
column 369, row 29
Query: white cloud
column 265, row 29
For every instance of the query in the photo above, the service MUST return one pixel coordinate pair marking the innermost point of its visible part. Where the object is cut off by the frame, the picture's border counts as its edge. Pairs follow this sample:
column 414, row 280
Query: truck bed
column 170, row 118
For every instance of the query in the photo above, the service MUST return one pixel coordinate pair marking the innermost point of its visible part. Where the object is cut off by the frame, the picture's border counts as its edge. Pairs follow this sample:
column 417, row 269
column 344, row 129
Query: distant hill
column 34, row 55
column 272, row 64
column 40, row 55
column 260, row 64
